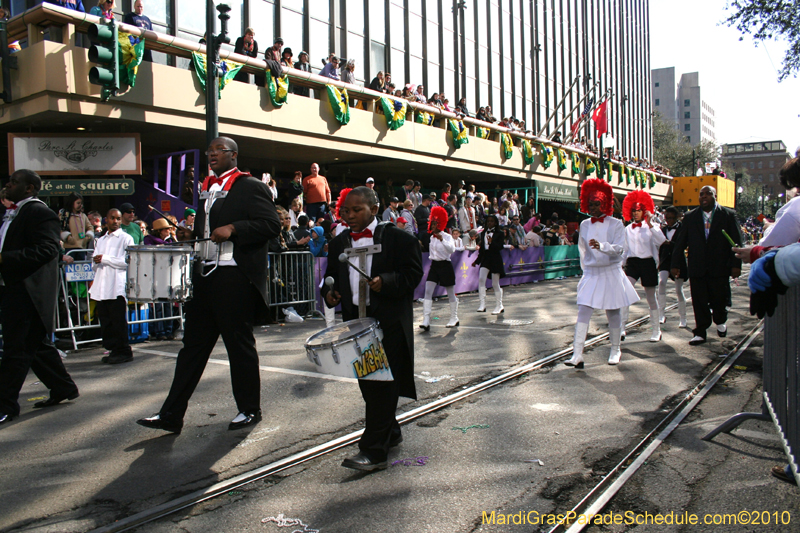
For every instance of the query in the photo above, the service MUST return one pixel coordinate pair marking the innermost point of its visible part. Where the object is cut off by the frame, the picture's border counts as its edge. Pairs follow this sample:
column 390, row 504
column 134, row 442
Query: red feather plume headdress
column 597, row 189
column 340, row 201
column 439, row 214
column 637, row 199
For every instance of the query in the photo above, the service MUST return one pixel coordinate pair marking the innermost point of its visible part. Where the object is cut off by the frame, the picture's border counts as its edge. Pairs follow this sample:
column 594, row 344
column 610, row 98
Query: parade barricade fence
column 522, row 266
column 292, row 282
column 781, row 375
column 75, row 311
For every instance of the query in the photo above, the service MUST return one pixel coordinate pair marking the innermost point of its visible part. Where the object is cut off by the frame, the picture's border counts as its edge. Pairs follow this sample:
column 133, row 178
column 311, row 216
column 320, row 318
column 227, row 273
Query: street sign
column 88, row 187
column 79, row 272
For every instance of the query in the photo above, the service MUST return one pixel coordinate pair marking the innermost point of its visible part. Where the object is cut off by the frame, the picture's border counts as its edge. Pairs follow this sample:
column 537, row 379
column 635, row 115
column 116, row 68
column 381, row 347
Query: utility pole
column 461, row 6
column 213, row 44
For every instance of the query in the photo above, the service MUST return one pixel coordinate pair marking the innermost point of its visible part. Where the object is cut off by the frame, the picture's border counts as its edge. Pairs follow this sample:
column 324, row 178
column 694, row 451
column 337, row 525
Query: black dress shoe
column 362, row 462
column 55, row 400
column 4, row 419
column 250, row 419
column 424, row 328
column 156, row 422
column 117, row 359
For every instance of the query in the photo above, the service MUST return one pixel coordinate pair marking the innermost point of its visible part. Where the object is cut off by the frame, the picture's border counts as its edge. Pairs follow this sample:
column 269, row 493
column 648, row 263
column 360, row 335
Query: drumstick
column 162, row 215
column 329, row 281
column 343, row 259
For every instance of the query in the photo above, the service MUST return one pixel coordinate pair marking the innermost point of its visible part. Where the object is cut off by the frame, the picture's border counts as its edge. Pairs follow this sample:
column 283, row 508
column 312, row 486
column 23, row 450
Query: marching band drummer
column 441, row 271
column 233, row 297
column 396, row 271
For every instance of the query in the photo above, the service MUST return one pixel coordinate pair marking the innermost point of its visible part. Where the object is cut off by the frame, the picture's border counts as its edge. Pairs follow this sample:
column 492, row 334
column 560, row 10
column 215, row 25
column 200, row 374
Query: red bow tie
column 636, row 225
column 360, row 235
column 214, row 180
column 598, row 219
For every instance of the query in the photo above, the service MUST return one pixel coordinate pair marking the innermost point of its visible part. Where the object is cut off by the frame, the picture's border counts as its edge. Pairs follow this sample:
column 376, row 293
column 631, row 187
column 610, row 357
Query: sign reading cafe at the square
column 76, row 155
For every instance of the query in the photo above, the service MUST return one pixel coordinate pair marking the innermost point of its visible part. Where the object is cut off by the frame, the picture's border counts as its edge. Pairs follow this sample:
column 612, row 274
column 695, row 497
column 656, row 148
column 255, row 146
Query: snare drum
column 159, row 273
column 353, row 349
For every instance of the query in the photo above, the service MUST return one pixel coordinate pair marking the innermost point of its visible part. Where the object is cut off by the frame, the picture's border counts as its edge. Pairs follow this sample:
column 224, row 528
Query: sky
column 738, row 79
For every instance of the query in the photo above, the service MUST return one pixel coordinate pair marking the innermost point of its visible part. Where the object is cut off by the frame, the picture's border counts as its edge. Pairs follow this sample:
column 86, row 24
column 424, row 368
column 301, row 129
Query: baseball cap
column 127, row 208
column 402, row 220
column 394, row 199
column 370, row 180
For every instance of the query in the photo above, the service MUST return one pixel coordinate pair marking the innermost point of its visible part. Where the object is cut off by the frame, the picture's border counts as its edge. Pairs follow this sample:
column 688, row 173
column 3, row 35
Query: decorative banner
column 590, row 167
column 576, row 163
column 547, row 155
column 482, row 133
column 88, row 187
column 506, row 145
column 637, row 178
column 527, row 152
column 226, row 70
column 75, row 155
column 278, row 89
column 394, row 111
column 339, row 103
column 423, row 118
column 562, row 159
column 627, row 172
column 620, row 174
column 651, row 179
column 131, row 50
column 610, row 171
column 459, row 132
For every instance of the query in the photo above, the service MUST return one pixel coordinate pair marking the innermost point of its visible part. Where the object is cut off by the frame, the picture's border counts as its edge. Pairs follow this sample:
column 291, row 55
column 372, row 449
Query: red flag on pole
column 600, row 117
column 575, row 127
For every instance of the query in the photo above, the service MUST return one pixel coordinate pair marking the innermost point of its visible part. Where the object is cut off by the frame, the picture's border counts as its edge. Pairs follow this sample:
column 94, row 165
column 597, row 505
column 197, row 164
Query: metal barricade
column 781, row 375
column 291, row 281
column 75, row 311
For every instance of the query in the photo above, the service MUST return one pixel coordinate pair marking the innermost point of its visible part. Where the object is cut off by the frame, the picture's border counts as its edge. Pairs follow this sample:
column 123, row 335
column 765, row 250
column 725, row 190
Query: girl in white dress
column 441, row 271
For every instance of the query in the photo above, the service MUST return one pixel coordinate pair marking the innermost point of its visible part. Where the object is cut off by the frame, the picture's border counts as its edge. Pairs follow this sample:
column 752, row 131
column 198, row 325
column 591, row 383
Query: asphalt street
column 536, row 443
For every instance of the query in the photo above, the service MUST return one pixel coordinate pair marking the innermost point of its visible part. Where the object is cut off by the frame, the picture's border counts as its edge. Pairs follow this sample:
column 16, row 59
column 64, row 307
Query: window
column 686, row 114
column 772, row 164
column 658, row 101
column 657, row 84
column 772, row 177
column 689, row 139
column 752, row 165
column 687, row 127
column 760, row 165
column 687, row 103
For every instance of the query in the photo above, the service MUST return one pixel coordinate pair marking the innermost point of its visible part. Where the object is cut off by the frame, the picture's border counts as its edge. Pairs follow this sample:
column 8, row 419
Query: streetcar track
column 221, row 488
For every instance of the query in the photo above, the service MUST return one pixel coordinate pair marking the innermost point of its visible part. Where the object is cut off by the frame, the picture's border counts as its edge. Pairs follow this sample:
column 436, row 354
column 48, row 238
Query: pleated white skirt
column 606, row 288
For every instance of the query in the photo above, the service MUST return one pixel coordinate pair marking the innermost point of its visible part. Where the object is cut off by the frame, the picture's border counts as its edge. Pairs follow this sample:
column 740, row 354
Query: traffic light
column 105, row 52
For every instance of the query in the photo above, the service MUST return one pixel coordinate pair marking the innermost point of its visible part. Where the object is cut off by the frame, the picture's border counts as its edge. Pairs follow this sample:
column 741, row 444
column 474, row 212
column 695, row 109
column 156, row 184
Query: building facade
column 682, row 104
column 760, row 160
column 518, row 56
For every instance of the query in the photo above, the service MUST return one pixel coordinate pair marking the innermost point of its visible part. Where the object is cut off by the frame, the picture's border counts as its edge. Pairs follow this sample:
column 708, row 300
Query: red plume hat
column 439, row 214
column 340, row 201
column 597, row 189
column 637, row 200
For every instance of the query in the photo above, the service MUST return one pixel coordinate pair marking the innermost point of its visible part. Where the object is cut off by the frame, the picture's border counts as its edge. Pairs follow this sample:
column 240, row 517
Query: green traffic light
column 105, row 52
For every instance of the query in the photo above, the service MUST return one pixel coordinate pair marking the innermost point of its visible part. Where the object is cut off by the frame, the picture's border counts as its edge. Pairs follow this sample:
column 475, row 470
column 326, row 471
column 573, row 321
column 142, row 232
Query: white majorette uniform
column 441, row 271
column 603, row 284
column 642, row 240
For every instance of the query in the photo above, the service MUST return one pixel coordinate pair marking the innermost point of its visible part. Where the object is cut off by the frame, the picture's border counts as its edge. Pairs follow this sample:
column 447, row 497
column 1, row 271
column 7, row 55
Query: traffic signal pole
column 105, row 52
column 213, row 44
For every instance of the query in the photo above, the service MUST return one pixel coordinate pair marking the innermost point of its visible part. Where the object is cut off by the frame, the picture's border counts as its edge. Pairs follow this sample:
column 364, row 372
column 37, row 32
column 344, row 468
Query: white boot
column 682, row 313
column 426, row 314
column 330, row 316
column 577, row 345
column 624, row 321
column 498, row 298
column 656, row 336
column 453, row 313
column 482, row 297
column 614, row 335
column 662, row 308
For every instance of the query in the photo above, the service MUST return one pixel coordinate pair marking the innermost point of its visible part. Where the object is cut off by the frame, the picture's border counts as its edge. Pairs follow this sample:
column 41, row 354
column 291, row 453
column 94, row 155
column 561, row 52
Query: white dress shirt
column 111, row 273
column 355, row 277
column 611, row 236
column 226, row 248
column 643, row 241
column 466, row 219
column 441, row 250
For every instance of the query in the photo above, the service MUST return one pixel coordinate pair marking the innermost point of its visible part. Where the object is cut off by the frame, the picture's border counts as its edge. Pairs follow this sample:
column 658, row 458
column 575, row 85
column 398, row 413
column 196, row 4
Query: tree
column 747, row 202
column 770, row 19
column 671, row 149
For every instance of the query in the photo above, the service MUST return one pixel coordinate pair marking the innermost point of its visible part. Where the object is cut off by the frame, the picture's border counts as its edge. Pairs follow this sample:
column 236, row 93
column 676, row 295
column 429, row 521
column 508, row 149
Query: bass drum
column 353, row 349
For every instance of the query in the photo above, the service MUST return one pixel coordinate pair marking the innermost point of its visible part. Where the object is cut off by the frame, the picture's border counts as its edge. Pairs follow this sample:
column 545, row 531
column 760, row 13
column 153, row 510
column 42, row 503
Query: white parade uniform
column 604, row 284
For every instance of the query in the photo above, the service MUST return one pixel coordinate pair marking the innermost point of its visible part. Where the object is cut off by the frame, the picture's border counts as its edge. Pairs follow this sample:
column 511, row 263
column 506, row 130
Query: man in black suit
column 395, row 273
column 233, row 297
column 711, row 261
column 29, row 251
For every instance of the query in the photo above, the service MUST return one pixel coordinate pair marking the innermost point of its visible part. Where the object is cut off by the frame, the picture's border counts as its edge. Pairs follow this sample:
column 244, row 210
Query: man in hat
column 401, row 223
column 305, row 66
column 371, row 183
column 391, row 214
column 128, row 225
column 188, row 218
column 108, row 289
column 274, row 52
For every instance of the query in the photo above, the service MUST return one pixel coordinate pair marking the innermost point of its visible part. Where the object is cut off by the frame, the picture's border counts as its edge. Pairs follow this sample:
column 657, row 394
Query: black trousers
column 113, row 315
column 224, row 303
column 27, row 346
column 709, row 295
column 381, row 425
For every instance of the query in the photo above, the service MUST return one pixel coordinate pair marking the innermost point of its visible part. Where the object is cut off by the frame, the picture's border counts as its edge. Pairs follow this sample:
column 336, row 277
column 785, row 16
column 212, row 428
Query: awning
column 555, row 191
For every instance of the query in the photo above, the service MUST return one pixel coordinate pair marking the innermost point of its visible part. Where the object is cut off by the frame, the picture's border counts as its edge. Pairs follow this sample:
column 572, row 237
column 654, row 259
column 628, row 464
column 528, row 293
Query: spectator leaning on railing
column 331, row 69
column 139, row 19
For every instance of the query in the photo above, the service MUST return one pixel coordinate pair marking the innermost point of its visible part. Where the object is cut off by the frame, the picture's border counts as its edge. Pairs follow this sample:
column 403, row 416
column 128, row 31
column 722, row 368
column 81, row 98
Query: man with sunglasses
column 230, row 289
column 331, row 69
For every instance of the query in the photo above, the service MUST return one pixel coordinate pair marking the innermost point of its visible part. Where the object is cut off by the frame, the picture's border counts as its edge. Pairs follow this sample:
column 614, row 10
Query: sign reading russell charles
column 76, row 155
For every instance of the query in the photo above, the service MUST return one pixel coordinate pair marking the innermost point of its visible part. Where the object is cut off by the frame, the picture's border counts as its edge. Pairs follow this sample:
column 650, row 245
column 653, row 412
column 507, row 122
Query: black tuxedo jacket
column 712, row 257
column 400, row 267
column 249, row 207
column 30, row 258
column 491, row 258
